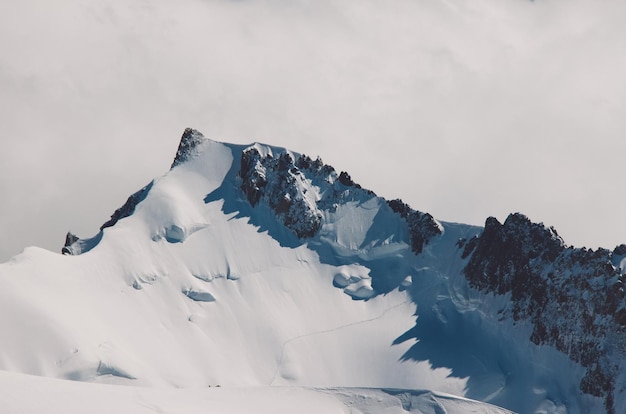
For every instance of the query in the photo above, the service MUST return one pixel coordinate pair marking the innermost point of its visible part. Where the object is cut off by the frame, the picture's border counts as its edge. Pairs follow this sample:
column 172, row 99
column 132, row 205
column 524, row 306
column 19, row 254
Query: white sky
column 462, row 108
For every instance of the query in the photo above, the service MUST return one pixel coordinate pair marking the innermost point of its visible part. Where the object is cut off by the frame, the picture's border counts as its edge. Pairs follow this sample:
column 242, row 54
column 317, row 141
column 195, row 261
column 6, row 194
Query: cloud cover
column 462, row 108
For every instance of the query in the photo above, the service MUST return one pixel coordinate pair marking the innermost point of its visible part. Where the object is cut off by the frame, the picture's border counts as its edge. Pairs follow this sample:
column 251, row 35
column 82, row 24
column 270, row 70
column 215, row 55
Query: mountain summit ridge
column 322, row 262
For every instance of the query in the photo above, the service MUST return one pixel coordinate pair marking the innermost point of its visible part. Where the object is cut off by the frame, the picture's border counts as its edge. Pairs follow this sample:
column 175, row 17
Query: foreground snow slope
column 257, row 266
column 33, row 395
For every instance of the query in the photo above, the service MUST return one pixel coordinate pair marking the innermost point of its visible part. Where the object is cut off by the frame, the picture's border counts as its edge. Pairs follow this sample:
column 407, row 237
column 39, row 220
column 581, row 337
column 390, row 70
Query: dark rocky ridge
column 283, row 183
column 188, row 146
column 422, row 226
column 129, row 206
column 75, row 245
column 573, row 297
column 279, row 183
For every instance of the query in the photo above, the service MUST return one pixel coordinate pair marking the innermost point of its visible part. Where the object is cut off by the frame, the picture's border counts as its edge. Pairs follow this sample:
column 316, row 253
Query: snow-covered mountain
column 255, row 266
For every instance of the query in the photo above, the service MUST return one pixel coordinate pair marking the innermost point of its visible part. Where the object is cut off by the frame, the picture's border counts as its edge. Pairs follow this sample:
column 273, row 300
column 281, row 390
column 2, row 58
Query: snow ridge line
column 288, row 341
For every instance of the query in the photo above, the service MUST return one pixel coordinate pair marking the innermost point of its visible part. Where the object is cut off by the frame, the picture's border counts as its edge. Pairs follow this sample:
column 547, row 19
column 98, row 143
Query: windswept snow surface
column 25, row 394
column 197, row 289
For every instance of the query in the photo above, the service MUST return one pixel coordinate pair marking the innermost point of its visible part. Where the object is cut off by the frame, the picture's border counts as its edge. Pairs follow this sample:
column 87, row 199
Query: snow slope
column 33, row 395
column 226, row 303
column 201, row 280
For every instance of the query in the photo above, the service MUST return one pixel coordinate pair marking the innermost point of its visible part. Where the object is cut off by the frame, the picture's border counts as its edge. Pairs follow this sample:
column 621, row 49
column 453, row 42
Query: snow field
column 26, row 394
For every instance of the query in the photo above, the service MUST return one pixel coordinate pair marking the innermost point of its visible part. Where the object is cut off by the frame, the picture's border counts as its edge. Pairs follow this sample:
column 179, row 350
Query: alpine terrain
column 254, row 279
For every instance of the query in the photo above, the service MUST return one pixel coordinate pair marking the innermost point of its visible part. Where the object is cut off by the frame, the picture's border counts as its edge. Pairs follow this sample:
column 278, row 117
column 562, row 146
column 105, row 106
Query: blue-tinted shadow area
column 446, row 337
column 497, row 366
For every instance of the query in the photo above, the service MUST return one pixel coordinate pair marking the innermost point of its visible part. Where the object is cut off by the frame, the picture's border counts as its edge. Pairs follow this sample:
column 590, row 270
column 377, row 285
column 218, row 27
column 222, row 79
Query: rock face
column 299, row 189
column 295, row 187
column 188, row 146
column 422, row 226
column 129, row 206
column 279, row 183
column 573, row 297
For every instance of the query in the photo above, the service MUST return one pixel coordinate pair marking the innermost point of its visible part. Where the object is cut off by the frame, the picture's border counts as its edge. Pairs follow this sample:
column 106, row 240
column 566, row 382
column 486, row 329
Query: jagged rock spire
column 188, row 147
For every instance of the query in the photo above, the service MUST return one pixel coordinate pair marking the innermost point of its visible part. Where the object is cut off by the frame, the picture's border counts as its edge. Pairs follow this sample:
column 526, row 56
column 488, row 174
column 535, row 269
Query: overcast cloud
column 462, row 108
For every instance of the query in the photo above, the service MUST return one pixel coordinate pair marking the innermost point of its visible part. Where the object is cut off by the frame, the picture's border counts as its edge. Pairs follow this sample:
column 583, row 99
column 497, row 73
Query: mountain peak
column 188, row 147
column 266, row 219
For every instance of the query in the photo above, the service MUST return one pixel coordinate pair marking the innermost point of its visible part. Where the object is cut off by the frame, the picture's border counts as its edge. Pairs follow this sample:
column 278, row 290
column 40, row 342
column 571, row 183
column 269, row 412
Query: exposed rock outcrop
column 70, row 238
column 299, row 189
column 129, row 206
column 573, row 297
column 188, row 146
column 295, row 187
column 277, row 182
column 422, row 226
